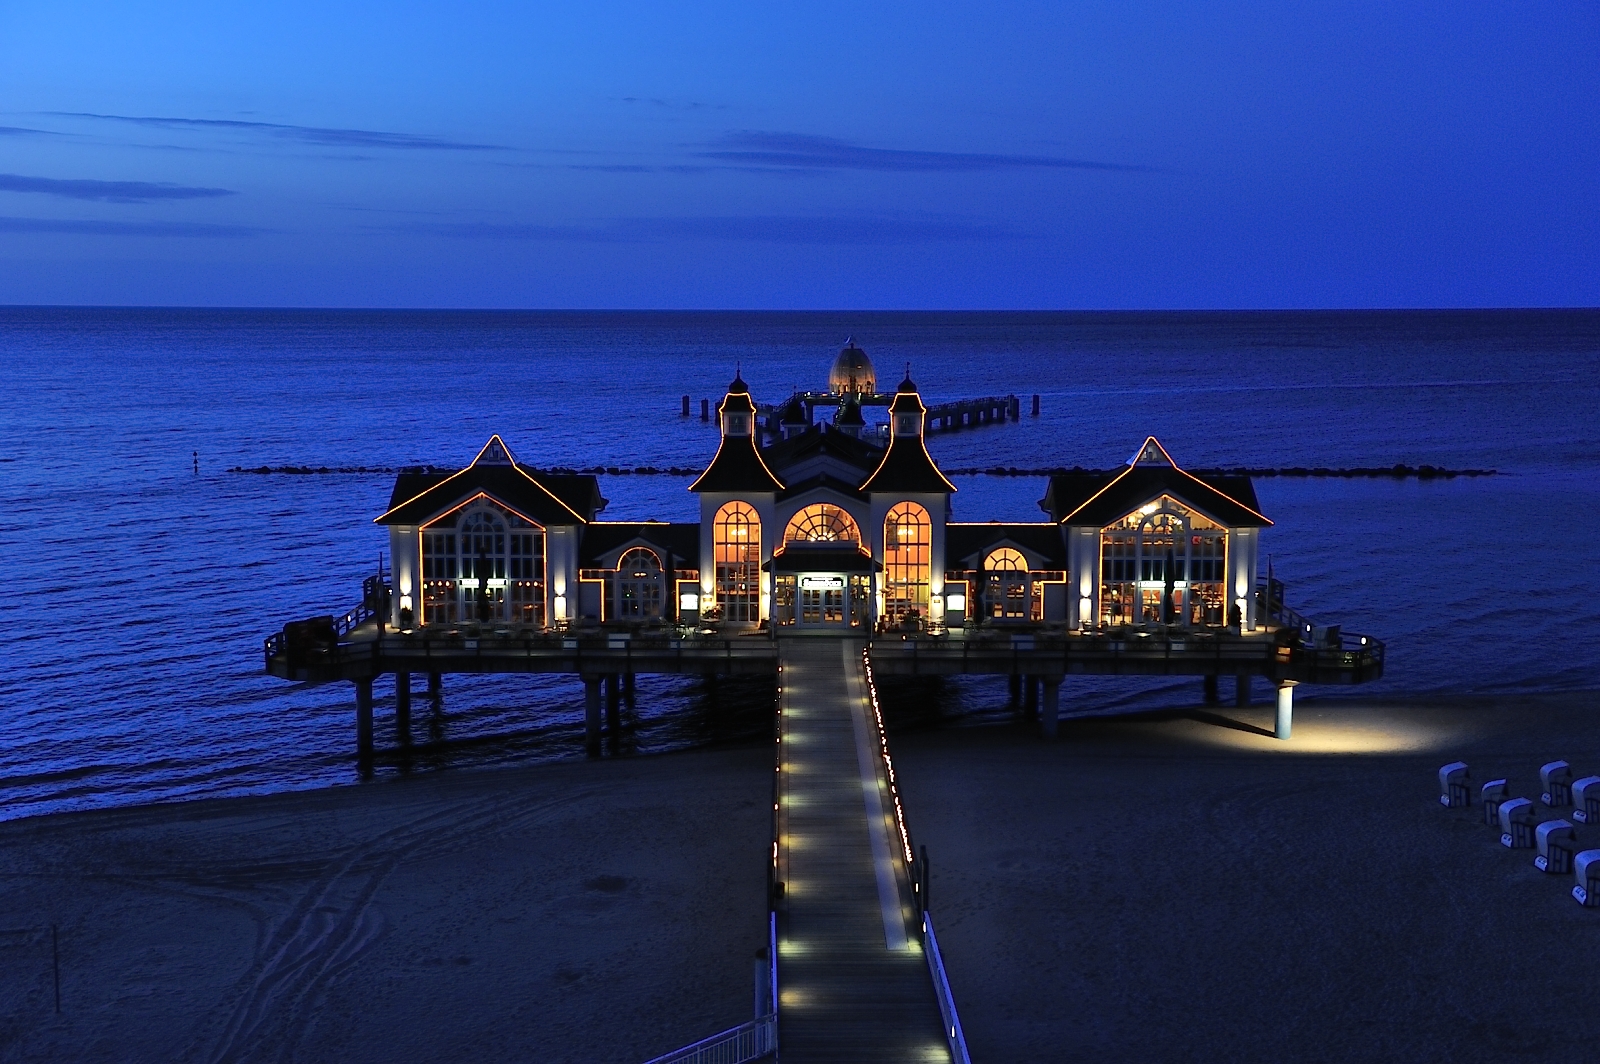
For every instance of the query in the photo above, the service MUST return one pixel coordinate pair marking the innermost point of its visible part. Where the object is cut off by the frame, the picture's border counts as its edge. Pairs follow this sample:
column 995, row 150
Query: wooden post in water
column 1241, row 689
column 1212, row 697
column 1030, row 704
column 705, row 410
column 613, row 706
column 435, row 683
column 629, row 692
column 1036, row 406
column 1050, row 711
column 591, row 715
column 686, row 406
column 402, row 708
column 364, row 718
column 1016, row 689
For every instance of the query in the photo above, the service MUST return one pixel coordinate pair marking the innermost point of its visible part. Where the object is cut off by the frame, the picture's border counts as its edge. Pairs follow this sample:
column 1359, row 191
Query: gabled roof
column 1100, row 498
column 966, row 545
column 821, row 441
column 821, row 482
column 677, row 544
column 546, row 499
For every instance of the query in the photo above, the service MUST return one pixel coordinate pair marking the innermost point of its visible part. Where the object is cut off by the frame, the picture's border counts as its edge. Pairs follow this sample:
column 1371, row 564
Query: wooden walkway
column 854, row 983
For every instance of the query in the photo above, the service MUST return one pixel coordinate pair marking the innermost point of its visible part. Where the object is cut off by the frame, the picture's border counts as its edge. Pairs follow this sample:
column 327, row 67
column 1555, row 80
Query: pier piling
column 1241, row 689
column 1285, row 721
column 613, row 706
column 1015, row 683
column 686, row 406
column 705, row 410
column 1212, row 697
column 402, row 708
column 591, row 715
column 364, row 718
column 435, row 683
column 1036, row 406
column 1050, row 710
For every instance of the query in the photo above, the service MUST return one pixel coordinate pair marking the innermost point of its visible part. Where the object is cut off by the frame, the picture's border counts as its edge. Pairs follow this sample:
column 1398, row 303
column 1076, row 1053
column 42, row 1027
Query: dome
column 852, row 372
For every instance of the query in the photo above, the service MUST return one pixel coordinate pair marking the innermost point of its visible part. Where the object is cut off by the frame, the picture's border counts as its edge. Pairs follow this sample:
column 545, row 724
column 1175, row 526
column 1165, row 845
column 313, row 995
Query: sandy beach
column 1180, row 888
column 597, row 912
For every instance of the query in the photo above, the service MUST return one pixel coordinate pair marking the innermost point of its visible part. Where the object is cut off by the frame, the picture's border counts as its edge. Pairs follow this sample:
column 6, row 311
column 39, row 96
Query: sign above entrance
column 822, row 583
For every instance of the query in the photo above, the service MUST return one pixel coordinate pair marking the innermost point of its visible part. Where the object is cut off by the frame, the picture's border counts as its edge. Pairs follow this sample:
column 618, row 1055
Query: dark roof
column 678, row 543
column 548, row 499
column 834, row 557
column 820, row 440
column 850, row 414
column 1099, row 498
column 821, row 480
column 737, row 466
column 907, row 466
column 792, row 412
column 966, row 545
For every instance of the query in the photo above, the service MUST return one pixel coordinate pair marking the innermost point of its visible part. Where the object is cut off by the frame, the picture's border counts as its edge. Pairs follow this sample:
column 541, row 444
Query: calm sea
column 138, row 592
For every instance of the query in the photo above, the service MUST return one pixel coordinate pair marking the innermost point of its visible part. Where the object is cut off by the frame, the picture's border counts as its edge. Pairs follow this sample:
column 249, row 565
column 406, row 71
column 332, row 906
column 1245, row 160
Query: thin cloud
column 801, row 151
column 23, row 131
column 93, row 227
column 361, row 138
column 761, row 229
column 107, row 191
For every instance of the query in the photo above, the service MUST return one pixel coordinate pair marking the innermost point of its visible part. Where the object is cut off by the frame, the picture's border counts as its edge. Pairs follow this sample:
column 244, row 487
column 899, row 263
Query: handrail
column 737, row 1045
column 941, row 987
column 917, row 869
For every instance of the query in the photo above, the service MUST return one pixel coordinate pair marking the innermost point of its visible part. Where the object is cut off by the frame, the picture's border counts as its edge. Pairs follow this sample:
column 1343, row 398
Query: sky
column 933, row 155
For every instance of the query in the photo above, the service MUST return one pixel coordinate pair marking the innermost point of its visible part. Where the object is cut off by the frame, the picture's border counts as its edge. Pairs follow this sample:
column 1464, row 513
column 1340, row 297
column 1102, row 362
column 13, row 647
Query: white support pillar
column 1285, row 709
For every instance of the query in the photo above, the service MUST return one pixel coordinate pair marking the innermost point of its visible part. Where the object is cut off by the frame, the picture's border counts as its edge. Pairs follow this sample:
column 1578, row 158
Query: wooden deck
column 853, row 981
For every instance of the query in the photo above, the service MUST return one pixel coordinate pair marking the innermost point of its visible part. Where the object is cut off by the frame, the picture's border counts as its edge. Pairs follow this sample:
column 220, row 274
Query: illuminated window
column 1163, row 564
column 1007, row 585
column 483, row 564
column 822, row 522
column 907, row 558
column 736, row 544
column 640, row 585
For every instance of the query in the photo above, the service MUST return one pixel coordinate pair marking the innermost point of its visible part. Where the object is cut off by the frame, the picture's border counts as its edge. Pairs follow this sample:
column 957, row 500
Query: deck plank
column 845, row 995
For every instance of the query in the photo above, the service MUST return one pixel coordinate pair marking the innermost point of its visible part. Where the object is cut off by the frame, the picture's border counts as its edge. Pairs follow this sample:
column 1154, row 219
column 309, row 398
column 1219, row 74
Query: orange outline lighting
column 1131, row 466
column 514, row 465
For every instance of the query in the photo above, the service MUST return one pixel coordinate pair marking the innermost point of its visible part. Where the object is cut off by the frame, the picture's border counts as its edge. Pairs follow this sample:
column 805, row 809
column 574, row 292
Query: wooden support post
column 1241, row 689
column 1030, row 696
column 1050, row 711
column 613, row 706
column 705, row 410
column 402, row 708
column 364, row 719
column 1016, row 690
column 435, row 683
column 1285, row 722
column 591, row 715
column 1036, row 406
column 686, row 406
column 1212, row 697
column 629, row 692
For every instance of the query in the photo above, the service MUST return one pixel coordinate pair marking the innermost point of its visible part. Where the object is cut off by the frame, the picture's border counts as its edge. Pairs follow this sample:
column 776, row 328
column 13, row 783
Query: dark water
column 137, row 593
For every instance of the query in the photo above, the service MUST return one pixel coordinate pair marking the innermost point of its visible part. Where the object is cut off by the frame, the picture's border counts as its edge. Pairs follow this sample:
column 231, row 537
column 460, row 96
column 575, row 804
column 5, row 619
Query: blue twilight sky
column 755, row 154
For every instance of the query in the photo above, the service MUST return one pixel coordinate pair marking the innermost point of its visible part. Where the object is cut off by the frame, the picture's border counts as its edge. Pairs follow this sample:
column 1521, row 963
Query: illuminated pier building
column 826, row 524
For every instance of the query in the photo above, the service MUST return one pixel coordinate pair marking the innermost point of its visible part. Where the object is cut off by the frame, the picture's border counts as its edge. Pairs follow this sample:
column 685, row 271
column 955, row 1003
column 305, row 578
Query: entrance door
column 823, row 601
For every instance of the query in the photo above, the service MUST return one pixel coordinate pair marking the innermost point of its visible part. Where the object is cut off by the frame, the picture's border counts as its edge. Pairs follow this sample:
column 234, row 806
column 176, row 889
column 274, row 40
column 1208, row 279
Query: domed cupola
column 852, row 372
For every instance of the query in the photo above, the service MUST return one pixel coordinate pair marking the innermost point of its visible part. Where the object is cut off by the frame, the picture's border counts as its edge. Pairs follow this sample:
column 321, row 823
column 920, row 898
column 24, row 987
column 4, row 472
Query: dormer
column 737, row 466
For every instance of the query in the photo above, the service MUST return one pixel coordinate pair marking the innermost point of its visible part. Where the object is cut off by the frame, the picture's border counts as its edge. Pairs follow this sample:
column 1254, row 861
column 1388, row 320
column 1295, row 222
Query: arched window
column 736, row 545
column 640, row 585
column 907, row 558
column 822, row 522
column 1163, row 564
column 484, row 564
column 1006, row 571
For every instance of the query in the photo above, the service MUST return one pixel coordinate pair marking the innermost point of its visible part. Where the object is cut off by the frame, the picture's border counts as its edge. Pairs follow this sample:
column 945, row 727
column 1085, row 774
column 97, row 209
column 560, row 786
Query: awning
column 822, row 558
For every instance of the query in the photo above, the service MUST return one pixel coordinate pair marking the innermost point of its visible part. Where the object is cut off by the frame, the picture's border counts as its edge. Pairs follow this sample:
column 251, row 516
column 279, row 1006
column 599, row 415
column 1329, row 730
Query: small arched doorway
column 1006, row 585
column 640, row 586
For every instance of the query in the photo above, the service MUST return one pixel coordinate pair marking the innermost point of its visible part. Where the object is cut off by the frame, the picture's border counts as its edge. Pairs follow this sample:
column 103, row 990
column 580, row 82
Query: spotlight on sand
column 1332, row 729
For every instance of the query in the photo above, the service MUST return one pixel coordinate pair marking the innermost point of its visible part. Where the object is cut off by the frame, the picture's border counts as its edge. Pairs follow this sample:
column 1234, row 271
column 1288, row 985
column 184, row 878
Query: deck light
column 561, row 607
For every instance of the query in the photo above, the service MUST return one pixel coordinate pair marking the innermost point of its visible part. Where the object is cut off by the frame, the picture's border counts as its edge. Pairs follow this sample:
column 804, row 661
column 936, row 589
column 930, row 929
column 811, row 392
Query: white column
column 1285, row 709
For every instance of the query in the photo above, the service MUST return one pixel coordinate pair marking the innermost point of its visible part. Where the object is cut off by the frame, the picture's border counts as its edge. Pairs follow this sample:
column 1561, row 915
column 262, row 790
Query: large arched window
column 1006, row 572
column 907, row 558
column 640, row 585
column 822, row 522
column 1162, row 564
column 736, row 544
column 483, row 564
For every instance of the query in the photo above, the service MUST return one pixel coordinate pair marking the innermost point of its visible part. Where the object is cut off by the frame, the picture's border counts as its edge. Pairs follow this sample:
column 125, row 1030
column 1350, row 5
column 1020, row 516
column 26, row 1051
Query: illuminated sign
column 822, row 583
